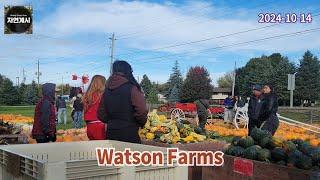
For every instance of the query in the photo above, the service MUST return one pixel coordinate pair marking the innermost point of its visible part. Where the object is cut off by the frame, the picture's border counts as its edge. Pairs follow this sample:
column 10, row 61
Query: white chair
column 241, row 118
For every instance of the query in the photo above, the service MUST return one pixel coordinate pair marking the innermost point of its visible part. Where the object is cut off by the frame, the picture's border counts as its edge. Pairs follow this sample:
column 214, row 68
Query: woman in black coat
column 268, row 115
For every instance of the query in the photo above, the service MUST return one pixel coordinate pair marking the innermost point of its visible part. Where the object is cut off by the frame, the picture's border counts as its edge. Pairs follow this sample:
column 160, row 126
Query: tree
column 226, row 80
column 146, row 85
column 265, row 69
column 174, row 95
column 307, row 78
column 153, row 95
column 196, row 85
column 8, row 93
column 30, row 95
column 175, row 79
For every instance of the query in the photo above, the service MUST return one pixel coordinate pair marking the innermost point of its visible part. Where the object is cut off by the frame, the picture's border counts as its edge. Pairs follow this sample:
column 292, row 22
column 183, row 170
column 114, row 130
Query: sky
column 72, row 37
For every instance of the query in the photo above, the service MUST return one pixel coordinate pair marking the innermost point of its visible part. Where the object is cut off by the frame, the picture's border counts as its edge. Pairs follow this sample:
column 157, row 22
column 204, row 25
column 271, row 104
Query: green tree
column 8, row 93
column 307, row 78
column 175, row 79
column 30, row 95
column 174, row 95
column 153, row 95
column 146, row 85
column 226, row 80
column 196, row 85
column 265, row 69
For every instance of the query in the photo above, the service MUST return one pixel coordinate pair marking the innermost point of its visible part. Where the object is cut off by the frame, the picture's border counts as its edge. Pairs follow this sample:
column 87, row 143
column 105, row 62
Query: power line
column 240, row 43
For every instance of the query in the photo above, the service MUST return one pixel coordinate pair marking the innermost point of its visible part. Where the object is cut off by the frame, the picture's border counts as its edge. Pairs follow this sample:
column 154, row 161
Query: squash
column 251, row 153
column 263, row 155
column 275, row 142
column 150, row 136
column 68, row 138
column 246, row 142
column 304, row 162
column 278, row 154
column 289, row 146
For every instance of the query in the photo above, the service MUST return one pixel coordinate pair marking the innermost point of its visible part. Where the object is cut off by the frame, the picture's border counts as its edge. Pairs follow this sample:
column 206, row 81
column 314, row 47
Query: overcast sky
column 72, row 37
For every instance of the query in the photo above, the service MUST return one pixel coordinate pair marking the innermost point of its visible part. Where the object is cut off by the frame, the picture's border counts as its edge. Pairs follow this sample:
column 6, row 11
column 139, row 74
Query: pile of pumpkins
column 285, row 132
column 261, row 146
column 68, row 135
column 16, row 118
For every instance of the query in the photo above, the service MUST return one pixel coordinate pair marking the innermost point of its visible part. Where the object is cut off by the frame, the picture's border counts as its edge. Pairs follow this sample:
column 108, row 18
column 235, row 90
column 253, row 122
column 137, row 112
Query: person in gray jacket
column 202, row 110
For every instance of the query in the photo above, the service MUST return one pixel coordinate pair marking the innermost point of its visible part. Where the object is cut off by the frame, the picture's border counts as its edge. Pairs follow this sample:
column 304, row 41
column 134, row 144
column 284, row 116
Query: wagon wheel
column 241, row 119
column 177, row 114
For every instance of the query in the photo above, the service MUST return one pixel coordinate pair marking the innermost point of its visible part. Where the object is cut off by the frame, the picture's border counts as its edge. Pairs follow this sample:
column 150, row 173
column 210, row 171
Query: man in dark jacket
column 123, row 106
column 228, row 109
column 44, row 125
column 78, row 112
column 254, row 108
column 62, row 109
column 202, row 110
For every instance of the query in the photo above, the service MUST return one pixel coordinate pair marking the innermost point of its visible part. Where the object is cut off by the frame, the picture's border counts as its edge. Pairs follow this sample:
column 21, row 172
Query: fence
column 303, row 114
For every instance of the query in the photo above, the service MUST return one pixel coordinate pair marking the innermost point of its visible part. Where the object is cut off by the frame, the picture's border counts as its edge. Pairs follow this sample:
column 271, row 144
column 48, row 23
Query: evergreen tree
column 153, row 95
column 196, row 85
column 146, row 85
column 307, row 78
column 8, row 93
column 174, row 95
column 175, row 79
column 30, row 95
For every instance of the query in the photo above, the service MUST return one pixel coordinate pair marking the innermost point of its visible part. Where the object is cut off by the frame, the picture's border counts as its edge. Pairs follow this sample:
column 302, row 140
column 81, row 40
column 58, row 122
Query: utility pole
column 38, row 73
column 23, row 76
column 234, row 78
column 111, row 53
column 291, row 86
column 18, row 83
column 62, row 87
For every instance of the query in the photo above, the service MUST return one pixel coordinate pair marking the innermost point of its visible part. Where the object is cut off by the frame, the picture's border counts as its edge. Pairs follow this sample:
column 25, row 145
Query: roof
column 221, row 90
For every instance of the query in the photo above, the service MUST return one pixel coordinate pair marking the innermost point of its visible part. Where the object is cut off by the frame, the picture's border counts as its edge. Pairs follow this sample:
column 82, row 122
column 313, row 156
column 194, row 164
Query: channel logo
column 17, row 19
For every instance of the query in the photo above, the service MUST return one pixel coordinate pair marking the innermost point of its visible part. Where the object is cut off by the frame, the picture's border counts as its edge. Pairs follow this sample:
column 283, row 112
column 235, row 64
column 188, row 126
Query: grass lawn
column 29, row 111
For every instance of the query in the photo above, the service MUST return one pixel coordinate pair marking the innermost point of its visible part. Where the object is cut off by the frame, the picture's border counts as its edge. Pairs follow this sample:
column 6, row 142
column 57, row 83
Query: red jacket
column 90, row 113
column 44, row 118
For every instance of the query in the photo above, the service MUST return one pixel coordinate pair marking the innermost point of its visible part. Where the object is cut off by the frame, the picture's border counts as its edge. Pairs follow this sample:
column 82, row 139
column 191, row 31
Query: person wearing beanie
column 254, row 108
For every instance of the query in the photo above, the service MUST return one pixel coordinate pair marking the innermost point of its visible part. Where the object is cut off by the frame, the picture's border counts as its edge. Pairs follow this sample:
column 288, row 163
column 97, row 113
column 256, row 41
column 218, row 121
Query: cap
column 257, row 87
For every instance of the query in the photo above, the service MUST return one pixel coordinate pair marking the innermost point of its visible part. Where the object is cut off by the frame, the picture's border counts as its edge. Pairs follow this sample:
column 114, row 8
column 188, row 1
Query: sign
column 74, row 77
column 243, row 166
column 85, row 79
column 18, row 19
column 291, row 81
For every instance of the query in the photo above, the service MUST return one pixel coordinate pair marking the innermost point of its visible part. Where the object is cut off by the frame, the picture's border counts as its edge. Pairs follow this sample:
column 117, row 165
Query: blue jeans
column 77, row 119
column 64, row 112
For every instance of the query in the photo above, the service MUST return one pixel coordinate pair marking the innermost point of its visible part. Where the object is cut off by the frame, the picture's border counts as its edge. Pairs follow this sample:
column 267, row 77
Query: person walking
column 123, row 106
column 62, row 110
column 78, row 110
column 228, row 110
column 44, row 125
column 91, row 100
column 268, row 116
column 202, row 111
column 254, row 108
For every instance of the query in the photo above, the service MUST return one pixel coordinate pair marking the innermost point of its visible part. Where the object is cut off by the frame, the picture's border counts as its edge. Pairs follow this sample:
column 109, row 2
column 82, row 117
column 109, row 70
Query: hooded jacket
column 45, row 114
column 132, row 115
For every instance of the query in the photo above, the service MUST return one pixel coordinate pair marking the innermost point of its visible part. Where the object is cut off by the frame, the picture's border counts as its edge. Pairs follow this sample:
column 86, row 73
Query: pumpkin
column 59, row 139
column 251, row 152
column 68, row 138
